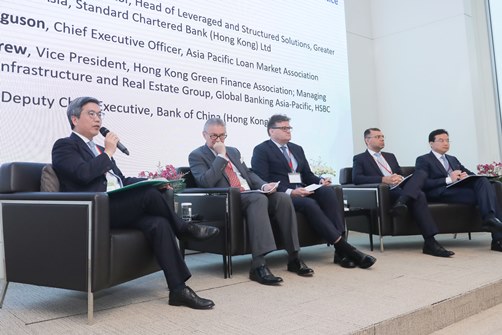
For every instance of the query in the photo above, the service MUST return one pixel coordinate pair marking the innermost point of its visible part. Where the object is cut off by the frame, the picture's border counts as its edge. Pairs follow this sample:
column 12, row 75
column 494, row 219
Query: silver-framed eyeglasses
column 442, row 140
column 94, row 114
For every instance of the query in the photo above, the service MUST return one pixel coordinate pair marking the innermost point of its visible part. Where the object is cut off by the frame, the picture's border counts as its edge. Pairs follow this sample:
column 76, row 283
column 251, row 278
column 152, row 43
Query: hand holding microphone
column 113, row 137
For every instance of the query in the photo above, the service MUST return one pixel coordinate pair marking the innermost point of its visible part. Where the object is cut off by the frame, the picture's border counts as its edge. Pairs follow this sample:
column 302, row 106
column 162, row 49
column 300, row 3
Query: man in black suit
column 279, row 159
column 84, row 167
column 217, row 165
column 375, row 166
column 443, row 170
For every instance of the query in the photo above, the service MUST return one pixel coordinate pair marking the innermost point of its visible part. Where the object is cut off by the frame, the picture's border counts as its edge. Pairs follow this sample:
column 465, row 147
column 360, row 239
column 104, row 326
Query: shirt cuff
column 448, row 180
column 288, row 191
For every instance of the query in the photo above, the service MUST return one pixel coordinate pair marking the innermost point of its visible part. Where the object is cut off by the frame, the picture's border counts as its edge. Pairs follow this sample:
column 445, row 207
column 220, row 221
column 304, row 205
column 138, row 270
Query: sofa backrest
column 20, row 177
column 346, row 174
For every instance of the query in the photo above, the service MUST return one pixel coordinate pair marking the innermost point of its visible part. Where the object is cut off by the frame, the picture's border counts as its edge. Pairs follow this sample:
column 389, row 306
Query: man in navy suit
column 279, row 159
column 82, row 166
column 443, row 170
column 375, row 166
column 216, row 165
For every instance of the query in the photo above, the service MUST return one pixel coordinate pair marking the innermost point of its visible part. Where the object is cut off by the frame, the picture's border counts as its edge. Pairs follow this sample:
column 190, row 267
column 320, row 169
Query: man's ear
column 74, row 120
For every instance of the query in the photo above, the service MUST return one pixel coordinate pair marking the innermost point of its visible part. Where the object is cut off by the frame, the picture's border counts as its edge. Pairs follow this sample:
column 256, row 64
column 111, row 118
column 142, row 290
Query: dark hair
column 274, row 119
column 75, row 107
column 434, row 133
column 369, row 130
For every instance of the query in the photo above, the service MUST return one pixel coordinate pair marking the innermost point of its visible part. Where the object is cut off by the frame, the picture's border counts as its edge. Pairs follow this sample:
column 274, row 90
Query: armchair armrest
column 52, row 238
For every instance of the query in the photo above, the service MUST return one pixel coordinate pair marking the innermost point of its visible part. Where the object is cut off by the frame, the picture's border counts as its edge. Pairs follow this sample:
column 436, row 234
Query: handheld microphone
column 120, row 146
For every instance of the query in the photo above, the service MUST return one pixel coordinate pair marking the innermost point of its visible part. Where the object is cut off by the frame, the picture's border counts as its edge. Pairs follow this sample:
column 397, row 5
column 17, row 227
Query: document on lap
column 313, row 187
column 151, row 182
column 265, row 192
column 469, row 177
column 402, row 181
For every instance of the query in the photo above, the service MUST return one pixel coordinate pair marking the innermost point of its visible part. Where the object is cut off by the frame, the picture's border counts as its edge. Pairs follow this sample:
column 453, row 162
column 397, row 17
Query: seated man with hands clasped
column 375, row 166
column 445, row 170
column 279, row 159
column 83, row 166
column 216, row 165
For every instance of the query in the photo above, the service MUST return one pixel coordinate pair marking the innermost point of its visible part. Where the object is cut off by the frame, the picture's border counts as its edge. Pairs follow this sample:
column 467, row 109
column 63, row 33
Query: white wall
column 416, row 66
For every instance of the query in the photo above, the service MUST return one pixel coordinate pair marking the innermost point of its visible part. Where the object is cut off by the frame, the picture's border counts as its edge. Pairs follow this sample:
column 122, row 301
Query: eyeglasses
column 283, row 128
column 221, row 136
column 93, row 114
column 377, row 136
column 442, row 141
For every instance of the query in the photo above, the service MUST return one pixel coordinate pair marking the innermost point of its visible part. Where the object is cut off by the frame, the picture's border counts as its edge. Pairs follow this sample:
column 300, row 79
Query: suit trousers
column 418, row 204
column 145, row 208
column 320, row 209
column 478, row 191
column 261, row 212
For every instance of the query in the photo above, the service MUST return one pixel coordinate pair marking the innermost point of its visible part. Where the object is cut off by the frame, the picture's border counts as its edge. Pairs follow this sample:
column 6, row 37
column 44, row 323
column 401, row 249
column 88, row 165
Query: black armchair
column 221, row 207
column 450, row 218
column 64, row 240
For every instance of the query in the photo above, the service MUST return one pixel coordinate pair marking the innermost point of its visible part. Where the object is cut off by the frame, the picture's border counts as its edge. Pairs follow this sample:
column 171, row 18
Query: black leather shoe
column 300, row 268
column 187, row 297
column 496, row 245
column 435, row 249
column 399, row 209
column 364, row 261
column 344, row 262
column 263, row 276
column 492, row 225
column 200, row 232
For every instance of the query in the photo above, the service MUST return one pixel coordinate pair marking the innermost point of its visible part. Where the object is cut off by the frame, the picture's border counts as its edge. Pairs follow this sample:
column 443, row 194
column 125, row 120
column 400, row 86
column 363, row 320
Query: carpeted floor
column 396, row 292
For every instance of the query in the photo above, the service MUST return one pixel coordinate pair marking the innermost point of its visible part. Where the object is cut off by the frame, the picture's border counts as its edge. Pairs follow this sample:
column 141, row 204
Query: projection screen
column 162, row 68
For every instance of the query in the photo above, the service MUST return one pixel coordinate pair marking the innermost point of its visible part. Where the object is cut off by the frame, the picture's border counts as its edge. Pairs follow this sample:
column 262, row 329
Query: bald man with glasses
column 216, row 165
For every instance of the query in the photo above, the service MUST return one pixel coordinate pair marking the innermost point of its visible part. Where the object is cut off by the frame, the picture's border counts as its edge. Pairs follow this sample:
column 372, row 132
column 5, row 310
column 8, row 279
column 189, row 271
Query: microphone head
column 103, row 131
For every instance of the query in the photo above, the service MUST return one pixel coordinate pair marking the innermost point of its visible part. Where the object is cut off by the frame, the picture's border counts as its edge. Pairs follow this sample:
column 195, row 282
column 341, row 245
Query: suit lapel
column 240, row 166
column 83, row 146
column 210, row 157
column 438, row 164
column 373, row 163
column 277, row 152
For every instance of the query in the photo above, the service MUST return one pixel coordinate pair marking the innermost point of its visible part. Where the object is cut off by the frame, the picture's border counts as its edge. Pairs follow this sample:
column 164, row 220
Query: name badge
column 295, row 178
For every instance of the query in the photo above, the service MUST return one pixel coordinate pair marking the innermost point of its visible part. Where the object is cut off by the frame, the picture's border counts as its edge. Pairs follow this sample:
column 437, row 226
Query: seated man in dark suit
column 279, row 159
column 375, row 166
column 443, row 170
column 83, row 166
column 216, row 165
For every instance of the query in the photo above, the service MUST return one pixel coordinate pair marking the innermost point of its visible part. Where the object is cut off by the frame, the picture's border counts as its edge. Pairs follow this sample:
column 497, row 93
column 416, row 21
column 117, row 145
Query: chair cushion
column 49, row 181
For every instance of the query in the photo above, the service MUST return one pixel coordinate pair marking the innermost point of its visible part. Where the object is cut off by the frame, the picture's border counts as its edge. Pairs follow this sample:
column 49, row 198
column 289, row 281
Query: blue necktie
column 445, row 163
column 285, row 153
column 92, row 146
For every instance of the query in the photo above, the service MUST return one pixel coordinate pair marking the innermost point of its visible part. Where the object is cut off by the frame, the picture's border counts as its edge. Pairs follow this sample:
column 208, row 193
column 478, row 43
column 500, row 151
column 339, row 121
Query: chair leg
column 470, row 236
column 90, row 307
column 3, row 292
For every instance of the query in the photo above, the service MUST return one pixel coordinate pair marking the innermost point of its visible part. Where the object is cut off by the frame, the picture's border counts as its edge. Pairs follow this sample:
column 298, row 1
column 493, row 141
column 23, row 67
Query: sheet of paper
column 313, row 187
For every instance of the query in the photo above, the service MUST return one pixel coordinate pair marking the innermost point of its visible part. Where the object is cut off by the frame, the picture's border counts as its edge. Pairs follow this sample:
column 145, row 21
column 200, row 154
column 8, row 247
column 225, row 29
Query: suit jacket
column 435, row 183
column 209, row 170
column 365, row 169
column 269, row 163
column 79, row 170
